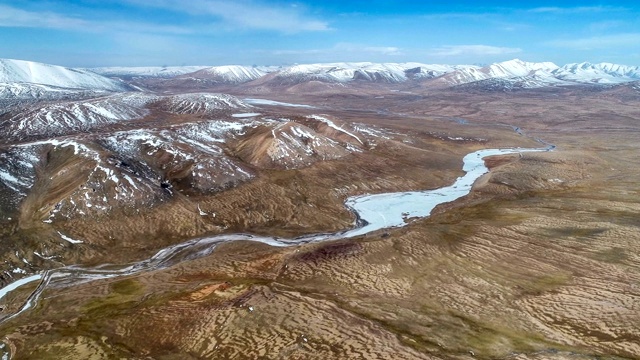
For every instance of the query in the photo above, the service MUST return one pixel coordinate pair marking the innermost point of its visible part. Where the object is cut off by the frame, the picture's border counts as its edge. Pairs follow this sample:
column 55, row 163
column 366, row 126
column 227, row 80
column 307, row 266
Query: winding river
column 375, row 212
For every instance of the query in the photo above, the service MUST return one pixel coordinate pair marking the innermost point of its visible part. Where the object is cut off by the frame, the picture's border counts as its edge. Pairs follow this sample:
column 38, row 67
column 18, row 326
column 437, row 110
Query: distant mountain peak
column 232, row 74
column 517, row 63
column 601, row 73
column 146, row 71
column 20, row 71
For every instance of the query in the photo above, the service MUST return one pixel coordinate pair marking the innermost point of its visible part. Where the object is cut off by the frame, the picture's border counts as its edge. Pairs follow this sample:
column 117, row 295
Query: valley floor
column 540, row 261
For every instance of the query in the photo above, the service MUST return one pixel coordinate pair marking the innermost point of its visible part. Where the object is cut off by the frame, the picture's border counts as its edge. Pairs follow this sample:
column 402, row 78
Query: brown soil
column 539, row 262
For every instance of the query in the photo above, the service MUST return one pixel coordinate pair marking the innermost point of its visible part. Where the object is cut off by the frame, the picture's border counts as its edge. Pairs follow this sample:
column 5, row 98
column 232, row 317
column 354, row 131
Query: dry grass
column 539, row 262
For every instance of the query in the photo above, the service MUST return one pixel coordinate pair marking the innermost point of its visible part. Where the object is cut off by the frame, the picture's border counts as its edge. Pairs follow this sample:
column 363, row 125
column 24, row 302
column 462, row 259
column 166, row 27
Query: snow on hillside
column 19, row 71
column 602, row 73
column 69, row 117
column 290, row 144
column 509, row 84
column 104, row 185
column 149, row 71
column 132, row 168
column 341, row 72
column 232, row 74
column 517, row 67
column 335, row 127
column 26, row 91
column 30, row 80
column 366, row 71
column 540, row 74
column 428, row 71
column 201, row 103
column 463, row 76
column 189, row 154
column 66, row 117
column 533, row 75
column 17, row 172
column 294, row 145
column 521, row 73
column 136, row 168
column 81, row 163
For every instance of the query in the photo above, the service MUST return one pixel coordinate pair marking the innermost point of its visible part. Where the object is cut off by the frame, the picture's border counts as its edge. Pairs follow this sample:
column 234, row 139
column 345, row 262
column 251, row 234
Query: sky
column 92, row 33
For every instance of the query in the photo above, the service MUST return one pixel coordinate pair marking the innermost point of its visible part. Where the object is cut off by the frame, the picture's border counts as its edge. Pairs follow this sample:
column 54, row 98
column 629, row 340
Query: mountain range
column 602, row 73
column 28, row 80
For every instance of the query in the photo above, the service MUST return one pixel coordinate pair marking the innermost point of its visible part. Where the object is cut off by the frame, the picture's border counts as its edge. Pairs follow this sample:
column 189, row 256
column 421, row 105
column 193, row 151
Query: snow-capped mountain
column 521, row 74
column 19, row 71
column 602, row 73
column 540, row 74
column 348, row 72
column 506, row 75
column 424, row 71
column 208, row 78
column 146, row 71
column 510, row 74
column 517, row 67
column 231, row 74
column 29, row 80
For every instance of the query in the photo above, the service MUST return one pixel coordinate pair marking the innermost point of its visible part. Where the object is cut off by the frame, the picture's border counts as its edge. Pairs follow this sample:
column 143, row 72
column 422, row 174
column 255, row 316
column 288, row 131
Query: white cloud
column 247, row 14
column 384, row 50
column 468, row 16
column 476, row 50
column 14, row 17
column 357, row 48
column 577, row 9
column 240, row 14
column 630, row 40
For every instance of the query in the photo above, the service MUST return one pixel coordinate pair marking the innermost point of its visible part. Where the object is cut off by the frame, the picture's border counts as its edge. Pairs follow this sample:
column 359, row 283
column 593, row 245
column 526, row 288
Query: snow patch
column 332, row 125
column 275, row 103
column 68, row 239
column 245, row 115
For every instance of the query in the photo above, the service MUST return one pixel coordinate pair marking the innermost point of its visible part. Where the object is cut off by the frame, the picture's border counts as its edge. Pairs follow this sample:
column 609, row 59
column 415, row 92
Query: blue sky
column 89, row 33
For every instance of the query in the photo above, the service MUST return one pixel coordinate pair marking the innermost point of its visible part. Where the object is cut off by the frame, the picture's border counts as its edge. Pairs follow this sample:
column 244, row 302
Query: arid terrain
column 540, row 261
